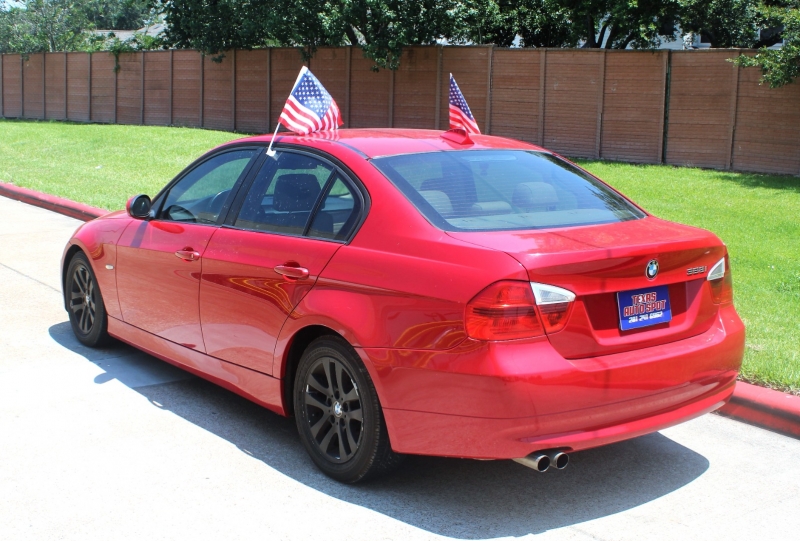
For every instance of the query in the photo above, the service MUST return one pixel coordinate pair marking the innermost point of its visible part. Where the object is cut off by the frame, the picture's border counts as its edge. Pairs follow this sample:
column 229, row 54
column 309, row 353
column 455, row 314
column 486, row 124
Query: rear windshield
column 495, row 190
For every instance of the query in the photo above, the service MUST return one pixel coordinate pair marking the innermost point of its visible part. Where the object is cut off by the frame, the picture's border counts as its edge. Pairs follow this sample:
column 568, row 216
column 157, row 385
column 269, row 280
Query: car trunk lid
column 600, row 261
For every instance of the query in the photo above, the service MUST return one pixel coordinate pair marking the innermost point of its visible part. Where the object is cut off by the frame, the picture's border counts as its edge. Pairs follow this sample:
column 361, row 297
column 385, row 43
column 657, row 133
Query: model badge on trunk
column 695, row 270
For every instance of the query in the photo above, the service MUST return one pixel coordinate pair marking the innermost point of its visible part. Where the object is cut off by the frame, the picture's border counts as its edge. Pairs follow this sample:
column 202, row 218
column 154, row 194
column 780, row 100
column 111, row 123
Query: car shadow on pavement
column 466, row 499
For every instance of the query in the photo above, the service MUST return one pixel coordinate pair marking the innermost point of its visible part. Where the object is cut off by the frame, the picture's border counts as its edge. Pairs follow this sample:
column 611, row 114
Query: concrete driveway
column 114, row 444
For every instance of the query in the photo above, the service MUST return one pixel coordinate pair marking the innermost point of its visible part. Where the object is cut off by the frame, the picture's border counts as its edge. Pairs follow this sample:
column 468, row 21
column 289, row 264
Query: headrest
column 528, row 195
column 438, row 200
column 491, row 207
column 295, row 192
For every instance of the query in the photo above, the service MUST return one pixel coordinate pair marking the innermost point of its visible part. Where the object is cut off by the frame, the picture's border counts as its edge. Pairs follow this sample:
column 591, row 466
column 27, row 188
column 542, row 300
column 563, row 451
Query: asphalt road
column 114, row 444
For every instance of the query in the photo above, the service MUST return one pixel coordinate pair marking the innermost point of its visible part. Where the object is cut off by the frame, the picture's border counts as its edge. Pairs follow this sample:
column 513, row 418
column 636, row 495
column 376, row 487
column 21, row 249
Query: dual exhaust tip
column 544, row 460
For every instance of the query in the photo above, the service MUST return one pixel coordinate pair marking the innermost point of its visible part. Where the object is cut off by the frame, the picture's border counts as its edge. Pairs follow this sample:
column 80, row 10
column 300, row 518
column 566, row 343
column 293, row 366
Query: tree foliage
column 42, row 25
column 778, row 66
column 35, row 26
column 117, row 14
column 538, row 23
column 381, row 27
column 726, row 23
column 617, row 24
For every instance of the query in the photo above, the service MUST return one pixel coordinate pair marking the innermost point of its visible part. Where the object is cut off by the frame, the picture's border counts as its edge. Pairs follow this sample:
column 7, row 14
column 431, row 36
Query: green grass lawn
column 756, row 215
column 100, row 165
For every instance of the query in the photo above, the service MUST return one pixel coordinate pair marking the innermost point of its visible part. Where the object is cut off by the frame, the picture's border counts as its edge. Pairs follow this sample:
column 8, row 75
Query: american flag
column 309, row 107
column 460, row 115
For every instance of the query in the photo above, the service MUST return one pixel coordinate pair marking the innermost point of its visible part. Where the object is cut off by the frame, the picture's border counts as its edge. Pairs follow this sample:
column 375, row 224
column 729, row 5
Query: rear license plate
column 643, row 307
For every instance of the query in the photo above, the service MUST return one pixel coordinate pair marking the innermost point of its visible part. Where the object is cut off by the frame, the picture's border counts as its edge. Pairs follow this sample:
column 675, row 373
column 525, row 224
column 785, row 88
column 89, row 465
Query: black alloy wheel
column 87, row 313
column 82, row 298
column 333, row 409
column 338, row 413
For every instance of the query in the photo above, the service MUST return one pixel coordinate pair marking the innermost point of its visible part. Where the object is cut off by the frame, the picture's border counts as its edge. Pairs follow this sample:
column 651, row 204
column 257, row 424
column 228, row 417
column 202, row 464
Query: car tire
column 338, row 414
column 84, row 302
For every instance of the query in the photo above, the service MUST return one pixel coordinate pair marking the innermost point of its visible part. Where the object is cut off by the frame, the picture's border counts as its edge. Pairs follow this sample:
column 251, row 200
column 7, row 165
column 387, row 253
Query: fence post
column 438, row 122
column 349, row 71
column 116, row 86
column 489, row 91
column 66, row 89
column 89, row 89
column 391, row 98
column 44, row 86
column 601, row 84
column 542, row 88
column 202, row 86
column 269, row 91
column 171, row 79
column 2, row 105
column 141, row 106
column 665, row 107
column 233, row 89
column 22, row 85
column 734, row 109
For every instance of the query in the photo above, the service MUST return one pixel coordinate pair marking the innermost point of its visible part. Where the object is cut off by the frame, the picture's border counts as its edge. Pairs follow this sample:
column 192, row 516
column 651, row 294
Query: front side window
column 200, row 195
column 493, row 190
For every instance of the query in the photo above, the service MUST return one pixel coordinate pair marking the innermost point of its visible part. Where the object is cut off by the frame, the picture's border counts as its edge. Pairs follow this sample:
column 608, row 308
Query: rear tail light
column 508, row 310
column 721, row 282
column 554, row 305
column 503, row 311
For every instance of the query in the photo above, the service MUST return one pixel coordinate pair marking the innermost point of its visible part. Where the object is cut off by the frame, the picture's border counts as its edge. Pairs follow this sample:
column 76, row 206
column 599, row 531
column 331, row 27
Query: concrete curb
column 51, row 202
column 751, row 404
column 764, row 407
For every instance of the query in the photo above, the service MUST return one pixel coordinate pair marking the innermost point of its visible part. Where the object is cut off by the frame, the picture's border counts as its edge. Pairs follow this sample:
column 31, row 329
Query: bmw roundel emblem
column 651, row 270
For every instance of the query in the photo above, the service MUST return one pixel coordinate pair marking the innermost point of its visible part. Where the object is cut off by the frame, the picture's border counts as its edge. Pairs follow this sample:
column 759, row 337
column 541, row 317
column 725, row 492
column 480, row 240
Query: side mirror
column 138, row 206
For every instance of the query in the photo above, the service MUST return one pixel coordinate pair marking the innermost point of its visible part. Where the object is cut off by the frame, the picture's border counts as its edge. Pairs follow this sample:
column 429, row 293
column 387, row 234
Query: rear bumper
column 509, row 399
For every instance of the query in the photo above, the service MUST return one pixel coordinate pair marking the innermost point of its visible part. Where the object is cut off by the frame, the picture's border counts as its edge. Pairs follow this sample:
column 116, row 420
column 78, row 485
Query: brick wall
column 679, row 107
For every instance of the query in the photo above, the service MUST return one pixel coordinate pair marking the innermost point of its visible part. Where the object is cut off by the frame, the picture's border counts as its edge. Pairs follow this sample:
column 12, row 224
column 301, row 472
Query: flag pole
column 271, row 153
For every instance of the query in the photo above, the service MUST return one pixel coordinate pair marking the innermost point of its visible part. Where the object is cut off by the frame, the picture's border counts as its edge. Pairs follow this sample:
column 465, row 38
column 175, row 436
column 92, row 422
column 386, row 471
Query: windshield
column 494, row 190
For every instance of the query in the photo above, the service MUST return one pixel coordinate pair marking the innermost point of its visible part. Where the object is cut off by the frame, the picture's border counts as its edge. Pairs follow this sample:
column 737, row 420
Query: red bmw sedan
column 402, row 293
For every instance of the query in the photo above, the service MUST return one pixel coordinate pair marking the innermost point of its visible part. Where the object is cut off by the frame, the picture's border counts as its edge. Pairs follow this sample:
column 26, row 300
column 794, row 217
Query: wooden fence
column 676, row 107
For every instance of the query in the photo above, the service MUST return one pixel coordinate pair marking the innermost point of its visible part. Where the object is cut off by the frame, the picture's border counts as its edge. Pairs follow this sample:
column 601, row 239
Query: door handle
column 292, row 273
column 187, row 254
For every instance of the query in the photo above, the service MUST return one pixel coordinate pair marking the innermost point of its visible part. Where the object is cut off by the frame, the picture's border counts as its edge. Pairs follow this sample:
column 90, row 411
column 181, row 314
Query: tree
column 616, row 24
column 545, row 23
column 726, row 23
column 117, row 14
column 43, row 25
column 538, row 23
column 778, row 66
column 607, row 24
column 381, row 27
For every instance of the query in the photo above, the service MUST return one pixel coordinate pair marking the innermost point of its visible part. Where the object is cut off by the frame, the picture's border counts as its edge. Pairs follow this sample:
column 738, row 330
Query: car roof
column 374, row 143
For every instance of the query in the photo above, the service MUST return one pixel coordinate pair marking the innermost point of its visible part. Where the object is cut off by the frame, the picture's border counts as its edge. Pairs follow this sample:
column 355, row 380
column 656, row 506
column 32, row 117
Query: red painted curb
column 51, row 202
column 764, row 407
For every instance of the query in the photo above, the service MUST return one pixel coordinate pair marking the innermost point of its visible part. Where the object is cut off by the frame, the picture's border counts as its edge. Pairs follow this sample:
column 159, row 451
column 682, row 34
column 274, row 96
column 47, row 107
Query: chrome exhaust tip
column 558, row 459
column 535, row 461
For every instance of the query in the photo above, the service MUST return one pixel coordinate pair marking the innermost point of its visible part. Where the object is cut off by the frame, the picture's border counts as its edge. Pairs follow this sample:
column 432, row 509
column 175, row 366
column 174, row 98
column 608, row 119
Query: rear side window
column 338, row 213
column 494, row 190
column 297, row 194
column 283, row 194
